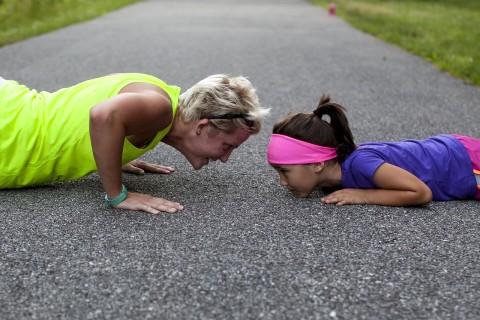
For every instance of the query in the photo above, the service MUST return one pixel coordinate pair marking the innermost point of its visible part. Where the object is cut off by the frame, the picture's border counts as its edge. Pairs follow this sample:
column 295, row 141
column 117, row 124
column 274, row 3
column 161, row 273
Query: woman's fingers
column 140, row 167
column 147, row 203
column 132, row 169
column 155, row 168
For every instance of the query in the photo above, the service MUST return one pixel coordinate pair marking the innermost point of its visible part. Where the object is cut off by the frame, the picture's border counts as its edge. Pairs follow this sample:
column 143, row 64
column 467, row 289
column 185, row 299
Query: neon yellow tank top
column 45, row 136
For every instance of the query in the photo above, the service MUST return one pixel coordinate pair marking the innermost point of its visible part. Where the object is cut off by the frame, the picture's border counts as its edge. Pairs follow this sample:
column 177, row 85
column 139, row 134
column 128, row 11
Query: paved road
column 243, row 248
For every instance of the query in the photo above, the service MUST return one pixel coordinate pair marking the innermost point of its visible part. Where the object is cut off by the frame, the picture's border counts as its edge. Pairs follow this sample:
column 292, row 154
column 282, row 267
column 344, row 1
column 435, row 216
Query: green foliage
column 444, row 32
column 20, row 19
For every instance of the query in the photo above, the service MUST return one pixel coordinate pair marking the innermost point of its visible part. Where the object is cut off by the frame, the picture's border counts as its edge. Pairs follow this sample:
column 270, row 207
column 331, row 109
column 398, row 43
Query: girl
column 309, row 152
column 104, row 124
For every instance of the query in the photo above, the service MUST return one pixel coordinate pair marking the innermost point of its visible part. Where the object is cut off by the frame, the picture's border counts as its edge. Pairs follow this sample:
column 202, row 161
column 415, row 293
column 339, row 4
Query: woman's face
column 300, row 179
column 212, row 144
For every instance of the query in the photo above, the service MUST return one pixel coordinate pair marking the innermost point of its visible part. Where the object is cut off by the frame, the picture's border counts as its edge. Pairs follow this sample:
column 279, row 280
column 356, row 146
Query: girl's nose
column 283, row 181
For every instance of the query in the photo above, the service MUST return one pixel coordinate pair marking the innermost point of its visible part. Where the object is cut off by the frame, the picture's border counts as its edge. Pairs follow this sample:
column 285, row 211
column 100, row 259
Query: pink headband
column 286, row 150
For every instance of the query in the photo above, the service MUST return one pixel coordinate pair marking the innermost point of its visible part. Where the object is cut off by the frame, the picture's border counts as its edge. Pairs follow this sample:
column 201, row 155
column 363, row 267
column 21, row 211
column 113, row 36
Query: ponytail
column 339, row 123
column 313, row 128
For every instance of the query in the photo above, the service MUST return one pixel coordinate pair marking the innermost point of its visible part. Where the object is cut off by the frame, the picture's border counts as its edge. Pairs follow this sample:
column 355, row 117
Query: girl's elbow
column 419, row 197
column 425, row 196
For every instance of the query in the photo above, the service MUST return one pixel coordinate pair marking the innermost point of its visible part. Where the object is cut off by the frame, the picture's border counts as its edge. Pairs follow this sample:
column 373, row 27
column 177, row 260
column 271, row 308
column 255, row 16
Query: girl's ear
column 318, row 167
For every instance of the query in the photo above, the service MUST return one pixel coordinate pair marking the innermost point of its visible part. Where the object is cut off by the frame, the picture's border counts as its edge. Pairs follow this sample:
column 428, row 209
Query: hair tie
column 318, row 114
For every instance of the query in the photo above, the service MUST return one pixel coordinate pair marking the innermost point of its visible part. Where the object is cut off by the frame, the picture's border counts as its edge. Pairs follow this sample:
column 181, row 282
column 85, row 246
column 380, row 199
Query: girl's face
column 300, row 179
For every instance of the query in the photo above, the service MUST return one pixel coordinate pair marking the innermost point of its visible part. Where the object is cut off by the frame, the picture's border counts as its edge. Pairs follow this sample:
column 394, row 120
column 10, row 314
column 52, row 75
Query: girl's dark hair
column 313, row 128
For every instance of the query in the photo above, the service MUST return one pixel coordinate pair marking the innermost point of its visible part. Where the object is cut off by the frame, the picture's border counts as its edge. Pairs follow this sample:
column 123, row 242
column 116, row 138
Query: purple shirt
column 441, row 162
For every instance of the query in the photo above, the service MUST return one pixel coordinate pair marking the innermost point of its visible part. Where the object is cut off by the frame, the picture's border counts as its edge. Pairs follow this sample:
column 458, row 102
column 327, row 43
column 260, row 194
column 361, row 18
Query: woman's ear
column 200, row 125
column 318, row 167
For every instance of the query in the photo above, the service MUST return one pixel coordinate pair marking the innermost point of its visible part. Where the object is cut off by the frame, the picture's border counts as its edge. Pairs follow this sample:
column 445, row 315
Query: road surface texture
column 243, row 248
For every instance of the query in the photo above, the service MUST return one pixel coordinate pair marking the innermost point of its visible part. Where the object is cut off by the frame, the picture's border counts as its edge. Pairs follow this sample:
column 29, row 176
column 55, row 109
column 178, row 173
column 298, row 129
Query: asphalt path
column 243, row 248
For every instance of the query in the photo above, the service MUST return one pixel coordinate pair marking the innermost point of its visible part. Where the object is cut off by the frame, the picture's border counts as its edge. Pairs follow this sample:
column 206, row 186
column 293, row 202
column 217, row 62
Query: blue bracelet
column 117, row 200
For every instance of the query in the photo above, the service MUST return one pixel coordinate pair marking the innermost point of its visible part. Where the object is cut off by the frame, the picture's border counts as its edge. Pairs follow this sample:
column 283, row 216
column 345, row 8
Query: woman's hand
column 144, row 202
column 140, row 167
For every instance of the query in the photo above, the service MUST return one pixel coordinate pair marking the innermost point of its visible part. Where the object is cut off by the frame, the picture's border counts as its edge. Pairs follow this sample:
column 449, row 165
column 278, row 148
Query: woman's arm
column 396, row 187
column 127, row 114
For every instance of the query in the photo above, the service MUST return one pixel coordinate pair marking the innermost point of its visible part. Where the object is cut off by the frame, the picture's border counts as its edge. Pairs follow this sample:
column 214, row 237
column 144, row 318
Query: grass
column 444, row 32
column 21, row 19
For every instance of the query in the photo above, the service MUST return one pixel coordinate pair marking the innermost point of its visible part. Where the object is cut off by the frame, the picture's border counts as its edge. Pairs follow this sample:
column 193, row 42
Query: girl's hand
column 144, row 202
column 140, row 167
column 345, row 196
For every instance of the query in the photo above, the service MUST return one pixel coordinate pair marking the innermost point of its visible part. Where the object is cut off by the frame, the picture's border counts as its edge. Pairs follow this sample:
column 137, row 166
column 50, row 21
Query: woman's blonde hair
column 218, row 96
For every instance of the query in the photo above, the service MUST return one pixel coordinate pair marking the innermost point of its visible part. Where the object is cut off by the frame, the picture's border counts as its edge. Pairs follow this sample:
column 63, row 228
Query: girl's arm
column 396, row 187
column 127, row 114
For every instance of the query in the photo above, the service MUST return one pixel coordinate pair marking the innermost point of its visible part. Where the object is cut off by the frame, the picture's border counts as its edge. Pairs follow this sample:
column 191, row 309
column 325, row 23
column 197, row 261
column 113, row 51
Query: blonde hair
column 219, row 95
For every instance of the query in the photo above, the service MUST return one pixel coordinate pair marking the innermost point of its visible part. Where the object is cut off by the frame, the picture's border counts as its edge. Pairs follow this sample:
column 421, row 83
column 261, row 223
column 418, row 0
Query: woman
column 104, row 124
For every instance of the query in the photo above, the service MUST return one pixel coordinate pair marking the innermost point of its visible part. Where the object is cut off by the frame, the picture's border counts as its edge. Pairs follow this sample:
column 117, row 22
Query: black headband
column 248, row 121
